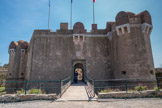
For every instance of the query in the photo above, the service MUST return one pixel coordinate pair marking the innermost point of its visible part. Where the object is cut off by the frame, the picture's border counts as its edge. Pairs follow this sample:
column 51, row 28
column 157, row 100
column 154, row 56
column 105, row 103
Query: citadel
column 120, row 51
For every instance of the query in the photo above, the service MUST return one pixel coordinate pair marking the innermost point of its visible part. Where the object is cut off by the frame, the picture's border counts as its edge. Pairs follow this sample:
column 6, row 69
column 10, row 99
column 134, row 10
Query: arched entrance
column 79, row 69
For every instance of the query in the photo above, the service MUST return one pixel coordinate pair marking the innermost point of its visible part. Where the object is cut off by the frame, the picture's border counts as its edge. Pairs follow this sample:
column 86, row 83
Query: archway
column 78, row 68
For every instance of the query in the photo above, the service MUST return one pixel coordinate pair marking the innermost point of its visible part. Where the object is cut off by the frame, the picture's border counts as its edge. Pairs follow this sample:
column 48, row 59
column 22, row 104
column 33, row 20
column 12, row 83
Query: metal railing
column 124, row 85
column 35, row 87
column 65, row 85
column 91, row 88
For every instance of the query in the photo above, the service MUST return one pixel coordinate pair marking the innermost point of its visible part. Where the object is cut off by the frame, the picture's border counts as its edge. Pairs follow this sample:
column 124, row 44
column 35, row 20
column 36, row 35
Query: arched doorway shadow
column 78, row 72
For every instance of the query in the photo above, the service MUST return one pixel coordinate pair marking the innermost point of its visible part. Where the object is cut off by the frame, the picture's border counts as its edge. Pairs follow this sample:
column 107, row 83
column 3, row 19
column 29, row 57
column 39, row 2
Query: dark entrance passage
column 78, row 72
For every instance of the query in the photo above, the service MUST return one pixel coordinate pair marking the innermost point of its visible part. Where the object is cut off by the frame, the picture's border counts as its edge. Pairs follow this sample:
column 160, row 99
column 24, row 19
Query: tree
column 5, row 66
column 1, row 65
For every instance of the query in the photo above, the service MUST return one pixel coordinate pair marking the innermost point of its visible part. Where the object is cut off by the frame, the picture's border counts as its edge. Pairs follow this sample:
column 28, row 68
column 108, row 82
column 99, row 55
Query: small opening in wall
column 152, row 72
column 22, row 74
column 125, row 30
column 150, row 29
column 76, row 38
column 135, row 45
column 81, row 38
column 120, row 31
column 124, row 72
column 10, row 74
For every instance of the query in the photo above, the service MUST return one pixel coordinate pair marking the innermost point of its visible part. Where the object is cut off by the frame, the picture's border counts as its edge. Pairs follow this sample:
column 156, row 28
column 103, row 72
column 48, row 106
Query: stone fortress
column 120, row 51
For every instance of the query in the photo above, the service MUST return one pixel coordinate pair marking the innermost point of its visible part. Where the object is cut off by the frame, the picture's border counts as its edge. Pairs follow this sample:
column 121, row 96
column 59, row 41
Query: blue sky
column 18, row 18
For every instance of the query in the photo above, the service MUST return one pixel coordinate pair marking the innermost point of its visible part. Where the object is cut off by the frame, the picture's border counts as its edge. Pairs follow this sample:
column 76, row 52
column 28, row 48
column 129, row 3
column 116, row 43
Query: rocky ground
column 111, row 103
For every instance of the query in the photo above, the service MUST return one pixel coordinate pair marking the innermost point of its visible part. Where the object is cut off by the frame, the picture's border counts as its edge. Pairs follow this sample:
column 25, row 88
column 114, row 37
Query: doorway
column 79, row 71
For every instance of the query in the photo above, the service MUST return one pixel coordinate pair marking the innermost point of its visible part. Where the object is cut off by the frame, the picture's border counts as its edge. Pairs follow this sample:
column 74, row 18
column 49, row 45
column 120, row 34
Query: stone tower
column 17, row 62
column 132, row 54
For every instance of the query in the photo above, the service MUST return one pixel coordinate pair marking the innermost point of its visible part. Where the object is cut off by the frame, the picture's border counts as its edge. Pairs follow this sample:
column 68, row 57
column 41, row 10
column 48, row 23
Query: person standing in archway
column 76, row 77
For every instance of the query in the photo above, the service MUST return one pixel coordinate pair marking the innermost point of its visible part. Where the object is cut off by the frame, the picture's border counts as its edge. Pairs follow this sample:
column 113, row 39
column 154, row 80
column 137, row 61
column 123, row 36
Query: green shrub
column 35, row 91
column 141, row 88
column 156, row 89
column 2, row 89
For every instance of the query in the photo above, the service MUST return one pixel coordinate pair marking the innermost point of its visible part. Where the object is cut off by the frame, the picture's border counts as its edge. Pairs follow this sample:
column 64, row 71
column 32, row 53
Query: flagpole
column 93, row 14
column 49, row 15
column 71, row 15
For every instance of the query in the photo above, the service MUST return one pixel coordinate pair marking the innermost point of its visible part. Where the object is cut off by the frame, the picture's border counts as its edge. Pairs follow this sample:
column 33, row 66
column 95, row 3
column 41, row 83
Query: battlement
column 122, row 24
column 22, row 45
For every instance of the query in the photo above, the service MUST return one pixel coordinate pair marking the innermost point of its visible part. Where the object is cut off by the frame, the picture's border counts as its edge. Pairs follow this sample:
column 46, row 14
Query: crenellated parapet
column 23, row 46
column 126, row 20
column 20, row 45
column 12, row 48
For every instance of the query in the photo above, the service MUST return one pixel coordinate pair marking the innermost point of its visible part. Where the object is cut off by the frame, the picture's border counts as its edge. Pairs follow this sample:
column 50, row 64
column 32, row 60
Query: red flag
column 94, row 1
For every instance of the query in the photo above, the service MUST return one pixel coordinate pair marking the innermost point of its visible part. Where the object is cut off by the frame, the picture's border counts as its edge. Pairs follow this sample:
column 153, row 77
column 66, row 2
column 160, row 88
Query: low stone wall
column 28, row 97
column 141, row 94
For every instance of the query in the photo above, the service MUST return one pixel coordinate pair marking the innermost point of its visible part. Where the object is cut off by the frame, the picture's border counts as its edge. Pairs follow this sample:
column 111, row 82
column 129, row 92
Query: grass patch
column 2, row 89
column 32, row 91
column 109, row 90
column 156, row 89
column 35, row 91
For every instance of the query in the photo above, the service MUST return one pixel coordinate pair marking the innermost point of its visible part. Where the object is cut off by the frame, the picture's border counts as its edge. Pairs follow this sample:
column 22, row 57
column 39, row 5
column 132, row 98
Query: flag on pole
column 49, row 3
column 94, row 12
column 71, row 15
column 49, row 14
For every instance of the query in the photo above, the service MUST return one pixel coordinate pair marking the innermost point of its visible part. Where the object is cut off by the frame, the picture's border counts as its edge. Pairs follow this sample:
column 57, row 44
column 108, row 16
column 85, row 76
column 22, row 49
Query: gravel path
column 131, row 103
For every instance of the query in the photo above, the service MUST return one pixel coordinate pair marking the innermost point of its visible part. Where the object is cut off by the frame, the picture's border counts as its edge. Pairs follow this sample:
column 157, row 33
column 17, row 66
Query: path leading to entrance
column 75, row 92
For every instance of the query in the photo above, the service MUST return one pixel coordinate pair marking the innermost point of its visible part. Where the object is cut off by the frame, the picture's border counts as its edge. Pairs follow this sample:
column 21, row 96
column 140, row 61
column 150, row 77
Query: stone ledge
column 28, row 97
column 149, row 93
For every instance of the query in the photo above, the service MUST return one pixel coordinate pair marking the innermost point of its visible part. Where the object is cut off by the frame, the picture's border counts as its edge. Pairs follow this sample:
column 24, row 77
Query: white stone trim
column 146, row 27
column 122, row 28
column 78, row 35
column 109, row 34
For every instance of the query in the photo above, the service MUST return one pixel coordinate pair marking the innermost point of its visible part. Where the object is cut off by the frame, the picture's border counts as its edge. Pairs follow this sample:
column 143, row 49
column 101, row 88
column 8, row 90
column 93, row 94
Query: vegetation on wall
column 2, row 79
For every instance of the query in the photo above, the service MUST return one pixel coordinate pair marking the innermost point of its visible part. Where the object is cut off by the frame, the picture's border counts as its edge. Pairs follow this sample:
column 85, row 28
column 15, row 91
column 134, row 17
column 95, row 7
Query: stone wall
column 28, row 97
column 51, row 56
column 120, row 95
